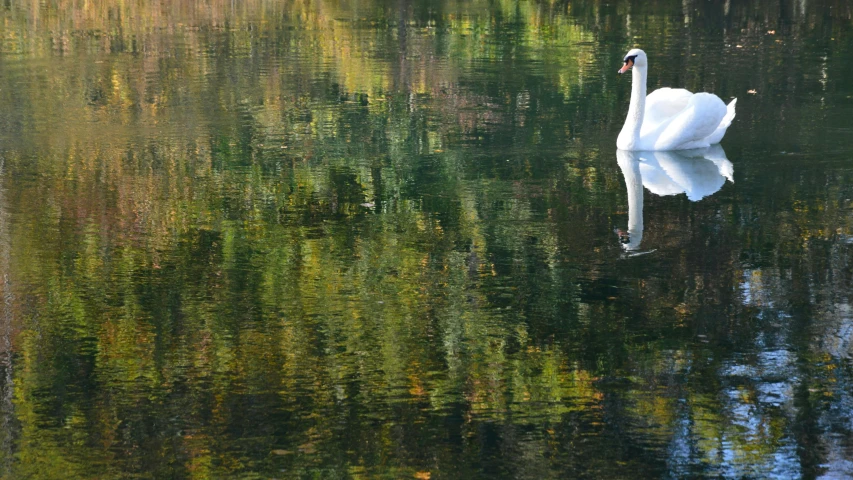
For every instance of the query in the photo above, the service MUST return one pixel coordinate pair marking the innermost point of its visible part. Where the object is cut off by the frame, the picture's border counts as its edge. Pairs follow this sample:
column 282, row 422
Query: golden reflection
column 332, row 238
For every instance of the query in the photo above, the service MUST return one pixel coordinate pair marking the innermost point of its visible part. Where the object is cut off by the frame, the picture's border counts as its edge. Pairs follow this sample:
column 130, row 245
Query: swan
column 696, row 173
column 670, row 118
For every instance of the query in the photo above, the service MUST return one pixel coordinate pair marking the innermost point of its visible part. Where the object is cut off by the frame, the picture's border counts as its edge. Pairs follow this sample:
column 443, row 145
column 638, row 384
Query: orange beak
column 628, row 64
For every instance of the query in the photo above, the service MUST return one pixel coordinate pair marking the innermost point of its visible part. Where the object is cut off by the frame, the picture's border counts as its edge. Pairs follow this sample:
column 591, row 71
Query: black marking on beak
column 629, row 62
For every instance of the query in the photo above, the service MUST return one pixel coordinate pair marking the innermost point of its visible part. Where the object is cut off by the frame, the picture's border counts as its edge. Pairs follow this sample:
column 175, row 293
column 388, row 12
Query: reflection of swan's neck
column 634, row 183
column 630, row 134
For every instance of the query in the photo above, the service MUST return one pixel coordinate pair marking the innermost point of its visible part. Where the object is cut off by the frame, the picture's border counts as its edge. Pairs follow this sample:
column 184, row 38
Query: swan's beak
column 628, row 64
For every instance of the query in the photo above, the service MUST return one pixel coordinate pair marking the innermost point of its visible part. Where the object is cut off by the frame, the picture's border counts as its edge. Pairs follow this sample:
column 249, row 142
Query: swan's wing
column 724, row 124
column 698, row 120
column 662, row 105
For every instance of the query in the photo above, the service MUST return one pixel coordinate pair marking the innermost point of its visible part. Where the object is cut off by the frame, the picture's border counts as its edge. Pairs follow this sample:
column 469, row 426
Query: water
column 394, row 239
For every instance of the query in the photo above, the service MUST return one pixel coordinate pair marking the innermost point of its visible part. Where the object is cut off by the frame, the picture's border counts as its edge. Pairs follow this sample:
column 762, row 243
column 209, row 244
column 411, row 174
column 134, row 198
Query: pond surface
column 394, row 239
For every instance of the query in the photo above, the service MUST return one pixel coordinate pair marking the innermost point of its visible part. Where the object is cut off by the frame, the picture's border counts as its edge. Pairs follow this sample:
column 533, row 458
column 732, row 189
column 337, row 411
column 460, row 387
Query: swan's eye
column 630, row 59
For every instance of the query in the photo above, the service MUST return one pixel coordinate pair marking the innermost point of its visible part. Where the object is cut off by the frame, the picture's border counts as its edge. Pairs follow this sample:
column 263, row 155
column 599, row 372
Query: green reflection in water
column 375, row 239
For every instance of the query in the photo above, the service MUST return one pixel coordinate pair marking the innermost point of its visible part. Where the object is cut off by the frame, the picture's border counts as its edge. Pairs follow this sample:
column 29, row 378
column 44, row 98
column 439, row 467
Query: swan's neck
column 629, row 137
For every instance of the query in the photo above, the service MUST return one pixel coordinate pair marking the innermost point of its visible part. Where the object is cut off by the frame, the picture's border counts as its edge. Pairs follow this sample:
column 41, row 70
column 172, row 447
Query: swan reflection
column 697, row 173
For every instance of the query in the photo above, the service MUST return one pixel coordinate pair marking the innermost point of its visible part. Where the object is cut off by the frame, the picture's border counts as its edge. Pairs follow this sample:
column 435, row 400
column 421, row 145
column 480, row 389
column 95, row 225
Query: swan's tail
column 724, row 124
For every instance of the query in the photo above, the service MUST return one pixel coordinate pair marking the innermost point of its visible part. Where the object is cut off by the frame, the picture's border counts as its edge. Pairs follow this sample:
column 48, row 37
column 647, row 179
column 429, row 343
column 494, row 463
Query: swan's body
column 670, row 118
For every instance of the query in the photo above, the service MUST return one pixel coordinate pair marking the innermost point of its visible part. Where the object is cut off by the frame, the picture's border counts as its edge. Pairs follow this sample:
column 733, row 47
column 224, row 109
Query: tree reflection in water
column 374, row 239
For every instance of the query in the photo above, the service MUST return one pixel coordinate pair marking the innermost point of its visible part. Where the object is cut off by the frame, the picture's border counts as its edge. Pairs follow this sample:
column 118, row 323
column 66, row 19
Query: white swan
column 670, row 118
column 696, row 173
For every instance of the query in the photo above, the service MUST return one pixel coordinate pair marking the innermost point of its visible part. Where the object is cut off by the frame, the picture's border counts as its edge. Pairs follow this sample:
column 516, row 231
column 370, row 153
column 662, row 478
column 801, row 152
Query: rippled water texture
column 394, row 239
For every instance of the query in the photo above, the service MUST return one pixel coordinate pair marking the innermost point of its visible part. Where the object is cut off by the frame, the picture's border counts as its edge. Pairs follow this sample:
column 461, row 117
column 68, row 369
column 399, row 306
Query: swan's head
column 634, row 57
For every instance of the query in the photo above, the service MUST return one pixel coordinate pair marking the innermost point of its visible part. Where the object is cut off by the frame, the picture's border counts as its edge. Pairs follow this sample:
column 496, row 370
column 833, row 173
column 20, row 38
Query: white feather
column 671, row 118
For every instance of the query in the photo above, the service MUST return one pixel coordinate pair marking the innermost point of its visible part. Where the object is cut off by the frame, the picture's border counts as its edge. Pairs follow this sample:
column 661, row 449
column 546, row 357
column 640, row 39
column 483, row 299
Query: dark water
column 394, row 239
